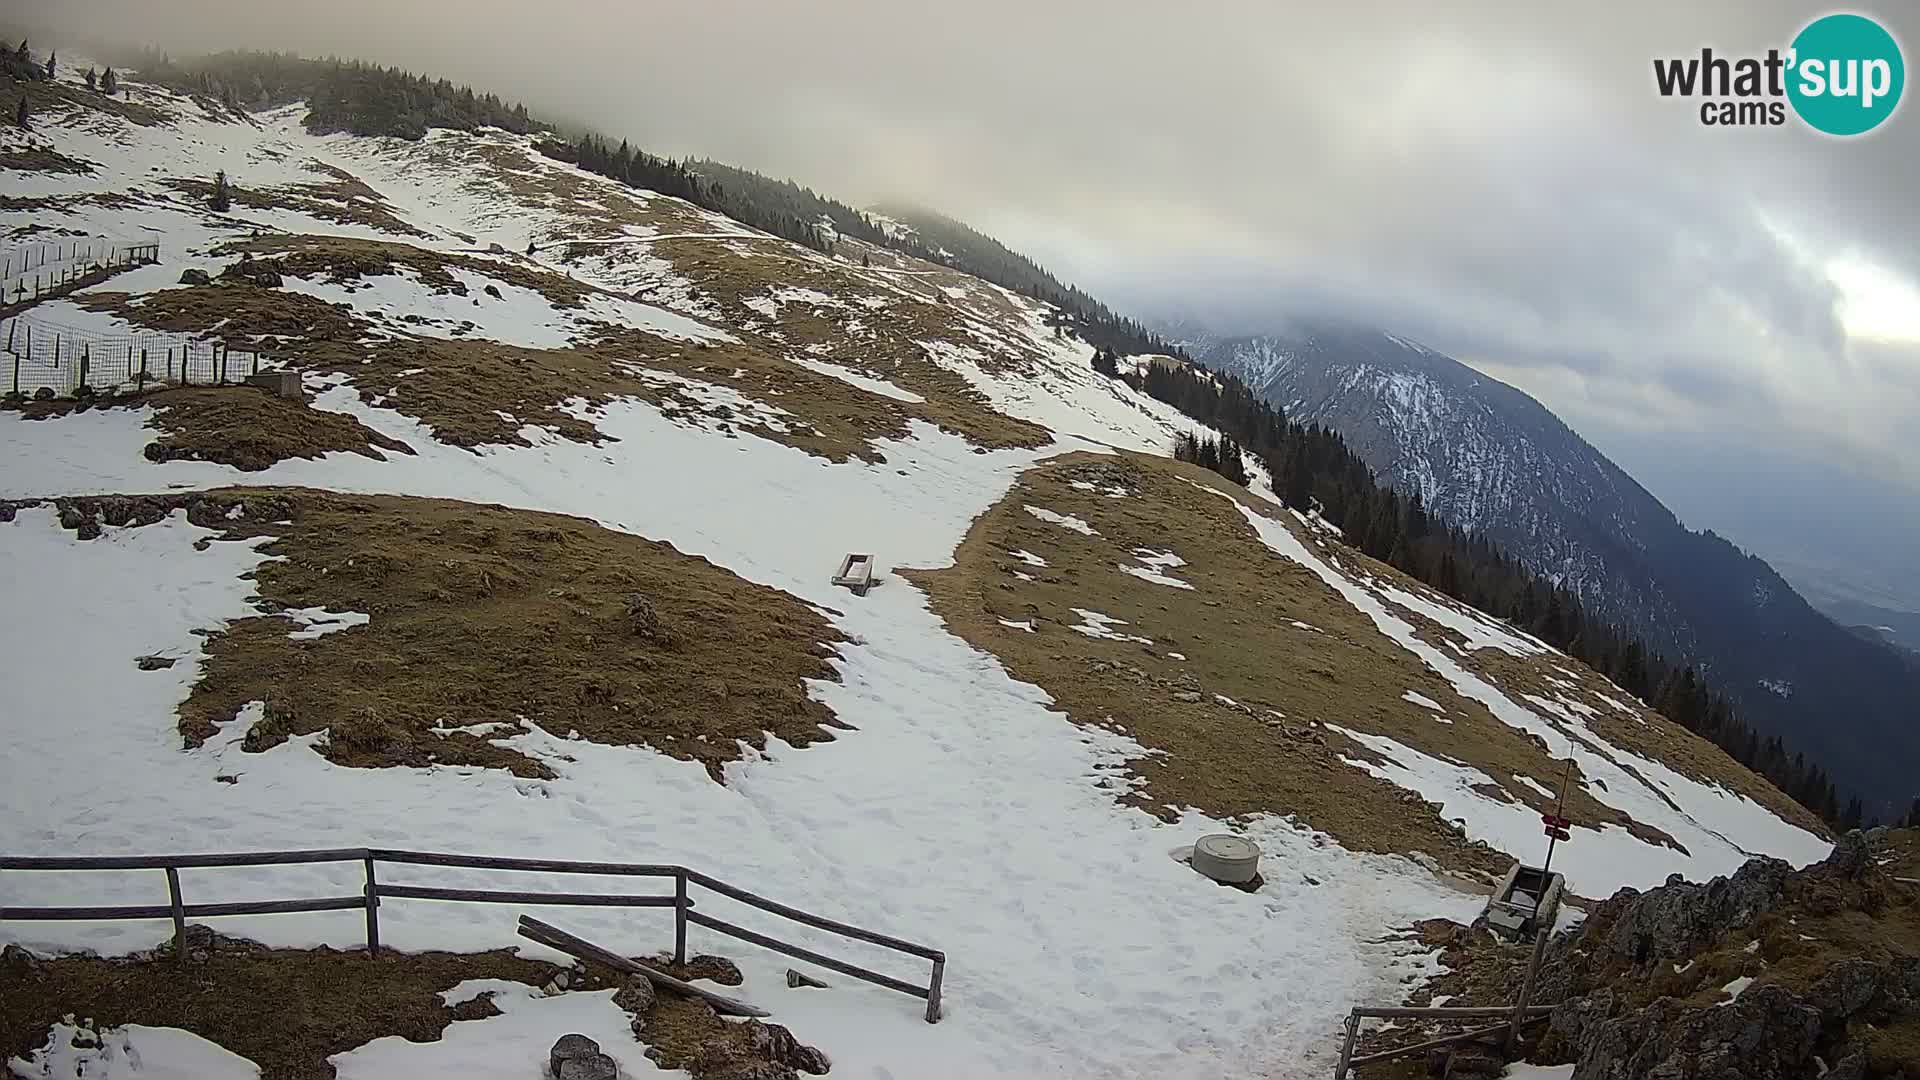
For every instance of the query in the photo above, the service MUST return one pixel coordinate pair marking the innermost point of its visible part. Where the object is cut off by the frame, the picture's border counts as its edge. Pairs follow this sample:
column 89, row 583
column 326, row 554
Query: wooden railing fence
column 374, row 891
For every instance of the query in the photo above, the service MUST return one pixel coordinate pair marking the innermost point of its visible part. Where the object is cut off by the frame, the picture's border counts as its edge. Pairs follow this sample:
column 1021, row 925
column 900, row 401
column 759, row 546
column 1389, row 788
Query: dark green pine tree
column 109, row 83
column 50, row 60
column 1913, row 815
column 222, row 193
column 93, row 79
column 21, row 119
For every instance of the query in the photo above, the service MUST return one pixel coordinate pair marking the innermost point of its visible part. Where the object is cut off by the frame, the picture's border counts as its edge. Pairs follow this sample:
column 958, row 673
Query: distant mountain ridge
column 1487, row 456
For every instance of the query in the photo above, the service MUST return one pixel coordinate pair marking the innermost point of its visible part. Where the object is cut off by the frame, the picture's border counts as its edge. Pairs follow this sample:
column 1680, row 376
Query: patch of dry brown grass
column 287, row 1010
column 1236, row 630
column 344, row 202
column 460, row 387
column 74, row 105
column 251, row 429
column 485, row 615
column 42, row 159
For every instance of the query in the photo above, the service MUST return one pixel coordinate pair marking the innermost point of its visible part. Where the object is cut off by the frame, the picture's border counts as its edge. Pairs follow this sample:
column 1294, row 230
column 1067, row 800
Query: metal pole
column 680, row 918
column 179, row 916
column 373, row 912
column 1346, row 1047
column 1546, row 869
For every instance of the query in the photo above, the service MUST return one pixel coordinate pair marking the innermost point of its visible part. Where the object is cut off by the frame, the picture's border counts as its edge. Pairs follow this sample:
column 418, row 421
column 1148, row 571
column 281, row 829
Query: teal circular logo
column 1847, row 74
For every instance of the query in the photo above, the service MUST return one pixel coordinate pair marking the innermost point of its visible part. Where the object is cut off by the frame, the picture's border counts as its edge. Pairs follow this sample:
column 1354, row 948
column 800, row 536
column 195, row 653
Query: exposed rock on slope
column 1771, row 973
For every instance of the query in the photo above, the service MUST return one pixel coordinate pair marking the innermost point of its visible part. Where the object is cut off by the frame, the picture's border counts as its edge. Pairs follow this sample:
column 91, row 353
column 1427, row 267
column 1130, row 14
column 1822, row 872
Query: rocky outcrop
column 1678, row 918
column 85, row 515
column 1766, row 1031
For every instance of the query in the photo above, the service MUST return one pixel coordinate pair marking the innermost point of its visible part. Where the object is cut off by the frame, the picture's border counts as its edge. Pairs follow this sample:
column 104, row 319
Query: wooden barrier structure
column 1521, row 1013
column 373, row 891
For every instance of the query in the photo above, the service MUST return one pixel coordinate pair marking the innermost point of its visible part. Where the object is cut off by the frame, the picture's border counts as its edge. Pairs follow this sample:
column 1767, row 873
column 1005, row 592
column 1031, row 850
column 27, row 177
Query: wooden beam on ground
column 1435, row 1044
column 556, row 938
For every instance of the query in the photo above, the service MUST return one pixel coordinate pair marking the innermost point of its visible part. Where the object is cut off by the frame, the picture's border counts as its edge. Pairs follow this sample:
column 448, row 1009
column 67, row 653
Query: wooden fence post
column 169, row 363
column 86, row 364
column 933, row 990
column 1346, row 1047
column 373, row 912
column 1526, row 988
column 143, row 369
column 179, row 916
column 680, row 917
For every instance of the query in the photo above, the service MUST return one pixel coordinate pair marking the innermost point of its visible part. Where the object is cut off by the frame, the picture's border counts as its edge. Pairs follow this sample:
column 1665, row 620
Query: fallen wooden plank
column 556, row 938
column 1435, row 1044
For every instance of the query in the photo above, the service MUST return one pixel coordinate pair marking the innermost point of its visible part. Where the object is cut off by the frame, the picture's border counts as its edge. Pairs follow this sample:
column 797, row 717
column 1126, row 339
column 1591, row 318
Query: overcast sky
column 1498, row 179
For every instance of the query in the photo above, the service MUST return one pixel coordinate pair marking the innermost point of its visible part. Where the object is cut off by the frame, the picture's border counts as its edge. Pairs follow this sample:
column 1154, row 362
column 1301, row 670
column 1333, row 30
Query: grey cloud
column 1500, row 179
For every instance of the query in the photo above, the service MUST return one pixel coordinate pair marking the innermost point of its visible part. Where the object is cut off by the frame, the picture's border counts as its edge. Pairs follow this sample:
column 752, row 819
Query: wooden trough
column 856, row 573
column 1528, row 900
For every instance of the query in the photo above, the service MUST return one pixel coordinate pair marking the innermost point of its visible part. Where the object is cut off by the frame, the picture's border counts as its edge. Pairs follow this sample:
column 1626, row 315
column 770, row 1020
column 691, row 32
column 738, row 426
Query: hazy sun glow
column 1875, row 303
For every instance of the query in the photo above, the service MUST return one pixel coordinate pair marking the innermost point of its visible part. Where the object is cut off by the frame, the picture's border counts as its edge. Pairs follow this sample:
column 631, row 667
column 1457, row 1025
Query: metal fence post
column 179, row 916
column 373, row 912
column 680, row 917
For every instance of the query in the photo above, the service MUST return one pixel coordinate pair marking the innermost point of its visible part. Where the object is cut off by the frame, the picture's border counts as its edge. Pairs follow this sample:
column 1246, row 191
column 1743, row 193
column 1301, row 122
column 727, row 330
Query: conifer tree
column 50, row 60
column 93, row 79
column 20, row 117
column 222, row 194
column 109, row 83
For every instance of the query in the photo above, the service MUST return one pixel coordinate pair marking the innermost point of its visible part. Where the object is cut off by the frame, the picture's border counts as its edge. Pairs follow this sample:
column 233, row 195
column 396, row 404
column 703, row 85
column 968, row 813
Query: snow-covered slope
column 1488, row 457
column 669, row 373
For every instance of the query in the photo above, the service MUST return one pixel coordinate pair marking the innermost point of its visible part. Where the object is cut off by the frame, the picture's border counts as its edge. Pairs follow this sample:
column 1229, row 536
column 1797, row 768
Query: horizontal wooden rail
column 242, row 907
column 811, row 919
column 551, row 866
column 795, row 951
column 179, row 862
column 374, row 891
column 496, row 896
